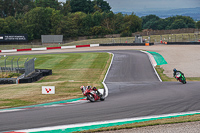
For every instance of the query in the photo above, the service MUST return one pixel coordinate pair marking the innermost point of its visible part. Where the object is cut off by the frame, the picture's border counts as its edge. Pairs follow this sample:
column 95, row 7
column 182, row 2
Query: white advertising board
column 48, row 89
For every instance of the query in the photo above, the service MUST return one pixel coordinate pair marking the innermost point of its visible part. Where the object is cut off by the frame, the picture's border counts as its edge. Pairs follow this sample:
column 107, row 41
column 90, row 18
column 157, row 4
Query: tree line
column 75, row 18
column 175, row 22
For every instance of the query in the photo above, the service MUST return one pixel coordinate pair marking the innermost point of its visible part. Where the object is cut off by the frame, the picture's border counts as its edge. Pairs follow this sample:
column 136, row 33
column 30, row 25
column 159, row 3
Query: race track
column 134, row 90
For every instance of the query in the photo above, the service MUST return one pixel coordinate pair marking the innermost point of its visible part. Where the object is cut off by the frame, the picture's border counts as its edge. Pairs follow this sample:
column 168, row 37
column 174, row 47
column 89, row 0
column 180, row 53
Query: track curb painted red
column 48, row 48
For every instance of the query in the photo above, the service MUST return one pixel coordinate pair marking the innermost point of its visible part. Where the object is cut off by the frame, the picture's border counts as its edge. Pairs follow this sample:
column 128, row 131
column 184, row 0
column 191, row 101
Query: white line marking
column 107, row 122
column 105, row 86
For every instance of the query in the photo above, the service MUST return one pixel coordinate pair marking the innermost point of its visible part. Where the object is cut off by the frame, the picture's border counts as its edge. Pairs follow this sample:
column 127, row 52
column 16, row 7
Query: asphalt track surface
column 134, row 91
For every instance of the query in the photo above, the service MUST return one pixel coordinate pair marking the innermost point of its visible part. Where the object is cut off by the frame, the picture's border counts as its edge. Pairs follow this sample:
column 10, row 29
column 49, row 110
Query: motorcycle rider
column 83, row 88
column 175, row 71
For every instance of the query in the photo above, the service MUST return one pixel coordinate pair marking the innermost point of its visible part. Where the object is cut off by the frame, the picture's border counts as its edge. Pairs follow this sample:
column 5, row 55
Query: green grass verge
column 13, row 102
column 70, row 71
column 163, row 76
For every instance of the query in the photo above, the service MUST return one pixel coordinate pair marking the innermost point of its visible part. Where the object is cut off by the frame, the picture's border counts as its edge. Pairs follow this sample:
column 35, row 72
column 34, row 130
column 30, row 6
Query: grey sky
column 145, row 5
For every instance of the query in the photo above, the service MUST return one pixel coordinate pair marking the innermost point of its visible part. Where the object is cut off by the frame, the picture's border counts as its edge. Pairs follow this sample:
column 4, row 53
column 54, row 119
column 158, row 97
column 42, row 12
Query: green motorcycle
column 180, row 77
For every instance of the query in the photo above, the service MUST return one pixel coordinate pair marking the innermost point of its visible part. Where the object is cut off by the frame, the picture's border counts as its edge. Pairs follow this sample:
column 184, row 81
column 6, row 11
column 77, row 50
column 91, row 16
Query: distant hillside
column 192, row 12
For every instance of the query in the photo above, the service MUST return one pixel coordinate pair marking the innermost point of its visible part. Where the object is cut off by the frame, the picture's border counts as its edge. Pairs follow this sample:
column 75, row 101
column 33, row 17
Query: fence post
column 18, row 65
column 12, row 64
column 26, row 59
column 175, row 38
column 168, row 38
column 1, row 71
column 189, row 37
column 160, row 37
column 182, row 37
column 149, row 39
column 5, row 64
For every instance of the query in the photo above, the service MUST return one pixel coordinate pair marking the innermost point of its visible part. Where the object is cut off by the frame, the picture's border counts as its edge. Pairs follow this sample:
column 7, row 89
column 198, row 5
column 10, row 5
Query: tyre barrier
column 127, row 44
column 36, row 76
column 45, row 72
column 8, row 80
column 39, row 73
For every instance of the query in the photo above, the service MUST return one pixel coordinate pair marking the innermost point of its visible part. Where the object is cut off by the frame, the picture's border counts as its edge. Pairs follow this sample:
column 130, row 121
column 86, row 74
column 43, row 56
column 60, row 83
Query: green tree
column 188, row 22
column 2, row 8
column 10, row 25
column 48, row 3
column 66, row 8
column 101, row 6
column 38, row 22
column 108, row 21
column 9, row 8
column 69, row 27
column 18, row 6
column 85, row 6
column 1, row 25
column 27, row 5
column 56, row 19
column 178, row 24
column 155, row 24
column 98, row 30
column 149, row 19
column 97, row 18
column 87, row 23
column 198, row 24
column 118, row 23
column 132, row 23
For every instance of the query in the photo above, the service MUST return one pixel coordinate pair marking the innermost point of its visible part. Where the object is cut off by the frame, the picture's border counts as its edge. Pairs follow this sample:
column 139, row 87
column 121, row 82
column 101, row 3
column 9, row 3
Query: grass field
column 70, row 71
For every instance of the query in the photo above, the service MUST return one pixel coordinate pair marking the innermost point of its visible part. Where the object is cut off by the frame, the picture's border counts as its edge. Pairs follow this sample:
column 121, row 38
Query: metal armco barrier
column 183, row 43
column 126, row 44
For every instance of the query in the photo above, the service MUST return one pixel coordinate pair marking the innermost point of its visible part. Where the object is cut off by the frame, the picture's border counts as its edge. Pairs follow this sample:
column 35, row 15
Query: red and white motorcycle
column 93, row 94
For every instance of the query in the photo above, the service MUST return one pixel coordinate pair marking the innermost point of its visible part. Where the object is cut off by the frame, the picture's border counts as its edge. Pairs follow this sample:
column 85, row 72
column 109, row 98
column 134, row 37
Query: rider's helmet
column 81, row 87
column 174, row 69
column 94, row 88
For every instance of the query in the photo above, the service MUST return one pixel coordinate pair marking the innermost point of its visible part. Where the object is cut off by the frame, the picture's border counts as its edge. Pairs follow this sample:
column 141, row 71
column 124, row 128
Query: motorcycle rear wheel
column 102, row 98
column 90, row 97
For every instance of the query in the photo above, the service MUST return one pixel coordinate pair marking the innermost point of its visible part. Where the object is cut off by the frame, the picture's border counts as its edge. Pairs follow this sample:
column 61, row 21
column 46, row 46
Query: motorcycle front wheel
column 90, row 97
column 184, row 82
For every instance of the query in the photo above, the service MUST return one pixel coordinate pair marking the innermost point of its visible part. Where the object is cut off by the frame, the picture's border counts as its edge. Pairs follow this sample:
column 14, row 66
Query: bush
column 126, row 34
column 13, row 75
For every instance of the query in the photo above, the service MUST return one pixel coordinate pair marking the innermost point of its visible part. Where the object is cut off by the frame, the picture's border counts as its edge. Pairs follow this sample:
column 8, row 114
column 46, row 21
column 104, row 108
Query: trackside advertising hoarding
column 13, row 37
